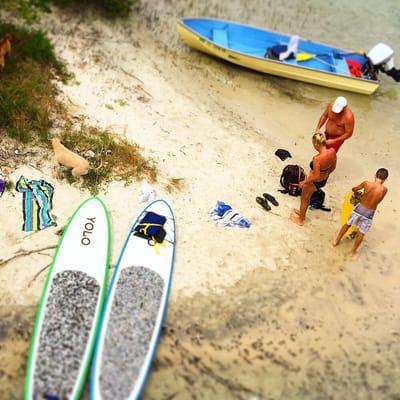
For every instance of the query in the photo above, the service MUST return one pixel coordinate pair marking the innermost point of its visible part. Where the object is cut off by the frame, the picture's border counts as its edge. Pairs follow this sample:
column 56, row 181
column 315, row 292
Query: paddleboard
column 347, row 208
column 70, row 307
column 135, row 307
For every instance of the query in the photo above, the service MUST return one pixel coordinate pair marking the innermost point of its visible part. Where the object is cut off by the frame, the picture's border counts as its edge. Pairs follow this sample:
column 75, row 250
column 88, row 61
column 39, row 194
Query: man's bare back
column 374, row 192
column 363, row 213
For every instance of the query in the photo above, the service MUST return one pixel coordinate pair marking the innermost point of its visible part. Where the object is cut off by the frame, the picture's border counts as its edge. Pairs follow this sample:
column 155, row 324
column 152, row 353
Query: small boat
column 283, row 55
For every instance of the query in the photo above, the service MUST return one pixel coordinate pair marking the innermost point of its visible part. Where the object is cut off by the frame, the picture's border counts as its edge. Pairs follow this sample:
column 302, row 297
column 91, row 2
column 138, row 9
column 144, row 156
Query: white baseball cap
column 339, row 104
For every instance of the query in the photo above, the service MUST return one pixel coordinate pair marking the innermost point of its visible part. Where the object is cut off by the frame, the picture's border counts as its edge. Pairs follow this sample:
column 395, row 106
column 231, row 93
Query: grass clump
column 25, row 9
column 27, row 90
column 9, row 186
column 110, row 157
column 174, row 185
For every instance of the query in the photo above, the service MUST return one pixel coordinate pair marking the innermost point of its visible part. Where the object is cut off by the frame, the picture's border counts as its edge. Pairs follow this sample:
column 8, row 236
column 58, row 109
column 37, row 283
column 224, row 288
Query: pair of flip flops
column 263, row 201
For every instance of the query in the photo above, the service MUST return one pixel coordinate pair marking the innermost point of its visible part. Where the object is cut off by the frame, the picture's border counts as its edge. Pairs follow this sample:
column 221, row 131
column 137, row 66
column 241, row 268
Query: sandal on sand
column 263, row 203
column 271, row 199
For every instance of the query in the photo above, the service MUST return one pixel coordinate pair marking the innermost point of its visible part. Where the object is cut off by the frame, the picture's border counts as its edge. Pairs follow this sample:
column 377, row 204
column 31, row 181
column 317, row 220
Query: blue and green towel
column 37, row 204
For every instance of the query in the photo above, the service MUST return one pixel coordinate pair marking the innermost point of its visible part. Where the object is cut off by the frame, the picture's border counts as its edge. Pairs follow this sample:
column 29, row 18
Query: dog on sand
column 5, row 48
column 69, row 159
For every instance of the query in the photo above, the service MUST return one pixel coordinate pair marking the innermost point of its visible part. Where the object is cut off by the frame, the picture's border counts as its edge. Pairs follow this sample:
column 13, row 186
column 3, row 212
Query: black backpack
column 317, row 201
column 290, row 178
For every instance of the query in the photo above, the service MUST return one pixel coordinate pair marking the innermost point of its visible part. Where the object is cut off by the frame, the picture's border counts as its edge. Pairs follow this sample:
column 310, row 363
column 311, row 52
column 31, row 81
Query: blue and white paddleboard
column 135, row 308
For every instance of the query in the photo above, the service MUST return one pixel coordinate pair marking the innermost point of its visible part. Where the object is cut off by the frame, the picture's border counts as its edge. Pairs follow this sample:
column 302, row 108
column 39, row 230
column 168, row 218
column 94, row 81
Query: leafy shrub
column 117, row 7
column 23, row 8
column 27, row 94
column 27, row 9
column 112, row 7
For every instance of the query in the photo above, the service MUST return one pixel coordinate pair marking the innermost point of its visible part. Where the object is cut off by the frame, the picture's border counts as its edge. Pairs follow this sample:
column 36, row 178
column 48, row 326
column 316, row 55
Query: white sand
column 217, row 127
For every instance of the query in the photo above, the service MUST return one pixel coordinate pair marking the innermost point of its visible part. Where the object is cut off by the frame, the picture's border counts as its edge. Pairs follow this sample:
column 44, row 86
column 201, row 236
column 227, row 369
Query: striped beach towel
column 37, row 203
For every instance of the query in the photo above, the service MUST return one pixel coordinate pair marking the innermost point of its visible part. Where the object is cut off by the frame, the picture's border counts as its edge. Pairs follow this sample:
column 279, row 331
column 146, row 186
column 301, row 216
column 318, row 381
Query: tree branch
column 23, row 253
column 37, row 274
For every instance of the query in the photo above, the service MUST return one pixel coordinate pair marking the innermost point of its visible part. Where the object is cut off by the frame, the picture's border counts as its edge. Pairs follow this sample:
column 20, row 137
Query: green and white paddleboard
column 135, row 308
column 70, row 307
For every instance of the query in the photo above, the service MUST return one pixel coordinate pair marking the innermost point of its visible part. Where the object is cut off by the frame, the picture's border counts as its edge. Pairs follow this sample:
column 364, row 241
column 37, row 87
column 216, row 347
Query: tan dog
column 5, row 47
column 69, row 159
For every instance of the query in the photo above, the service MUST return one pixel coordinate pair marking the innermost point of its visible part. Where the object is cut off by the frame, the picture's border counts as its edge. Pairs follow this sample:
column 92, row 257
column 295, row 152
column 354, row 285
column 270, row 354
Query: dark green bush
column 112, row 7
column 27, row 94
column 28, row 8
column 118, row 7
column 22, row 8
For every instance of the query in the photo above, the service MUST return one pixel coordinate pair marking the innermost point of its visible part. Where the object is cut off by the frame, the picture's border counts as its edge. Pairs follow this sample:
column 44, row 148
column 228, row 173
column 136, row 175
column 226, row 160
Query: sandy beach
column 270, row 312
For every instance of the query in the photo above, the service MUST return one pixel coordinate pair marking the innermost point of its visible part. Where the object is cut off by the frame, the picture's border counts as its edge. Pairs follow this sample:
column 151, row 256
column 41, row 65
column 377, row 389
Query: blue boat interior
column 256, row 42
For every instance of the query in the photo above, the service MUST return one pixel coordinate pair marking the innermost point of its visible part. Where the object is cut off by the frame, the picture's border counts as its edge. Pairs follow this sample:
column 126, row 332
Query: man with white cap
column 339, row 123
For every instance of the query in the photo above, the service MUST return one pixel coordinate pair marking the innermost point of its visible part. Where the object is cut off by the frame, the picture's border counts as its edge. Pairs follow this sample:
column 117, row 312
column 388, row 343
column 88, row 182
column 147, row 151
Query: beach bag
column 290, row 178
column 151, row 227
column 317, row 201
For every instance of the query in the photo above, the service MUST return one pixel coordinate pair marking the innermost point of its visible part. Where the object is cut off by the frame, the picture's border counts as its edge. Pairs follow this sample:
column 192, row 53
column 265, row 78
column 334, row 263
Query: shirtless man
column 362, row 215
column 339, row 123
column 321, row 166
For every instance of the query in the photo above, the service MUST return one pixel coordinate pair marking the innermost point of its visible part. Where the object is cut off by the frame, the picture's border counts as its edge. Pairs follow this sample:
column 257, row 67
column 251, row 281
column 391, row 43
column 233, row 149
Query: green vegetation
column 174, row 185
column 121, row 103
column 23, row 8
column 112, row 158
column 111, row 7
column 9, row 186
column 27, row 94
column 29, row 108
column 28, row 9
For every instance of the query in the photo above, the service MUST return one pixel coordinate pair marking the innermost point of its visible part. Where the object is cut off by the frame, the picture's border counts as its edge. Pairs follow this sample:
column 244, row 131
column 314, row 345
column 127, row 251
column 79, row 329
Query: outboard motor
column 381, row 59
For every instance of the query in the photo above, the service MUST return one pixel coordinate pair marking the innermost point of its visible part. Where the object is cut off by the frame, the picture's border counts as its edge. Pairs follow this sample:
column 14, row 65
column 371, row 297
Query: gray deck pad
column 68, row 320
column 134, row 312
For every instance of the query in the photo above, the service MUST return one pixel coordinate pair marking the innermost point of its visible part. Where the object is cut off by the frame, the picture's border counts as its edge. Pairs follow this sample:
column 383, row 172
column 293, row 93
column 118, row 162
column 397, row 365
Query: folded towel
column 224, row 215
